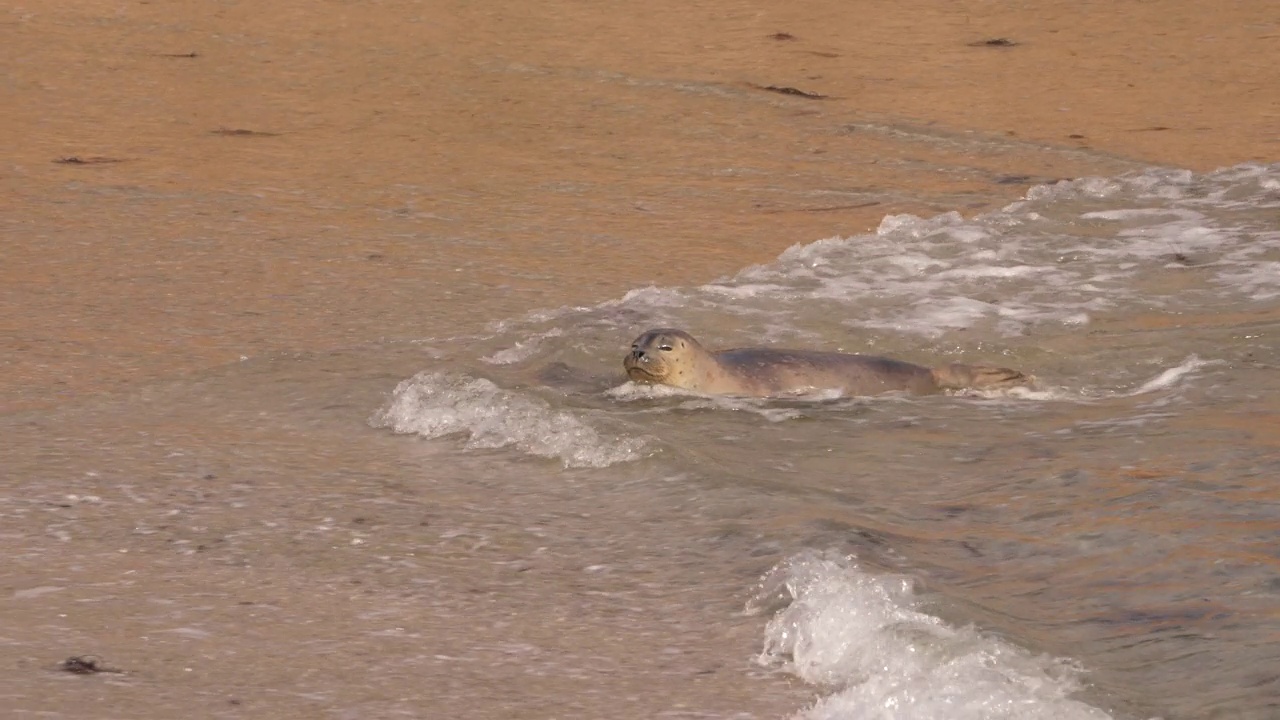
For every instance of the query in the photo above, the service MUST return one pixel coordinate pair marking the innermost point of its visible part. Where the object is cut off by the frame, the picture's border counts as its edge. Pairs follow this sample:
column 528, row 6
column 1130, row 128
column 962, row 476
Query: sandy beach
column 229, row 231
column 619, row 146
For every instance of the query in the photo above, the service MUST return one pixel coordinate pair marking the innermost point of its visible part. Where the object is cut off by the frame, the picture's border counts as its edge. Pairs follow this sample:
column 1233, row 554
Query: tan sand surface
column 188, row 182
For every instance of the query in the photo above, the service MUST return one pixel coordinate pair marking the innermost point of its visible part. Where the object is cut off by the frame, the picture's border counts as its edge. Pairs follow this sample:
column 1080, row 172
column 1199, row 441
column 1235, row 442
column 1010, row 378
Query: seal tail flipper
column 979, row 377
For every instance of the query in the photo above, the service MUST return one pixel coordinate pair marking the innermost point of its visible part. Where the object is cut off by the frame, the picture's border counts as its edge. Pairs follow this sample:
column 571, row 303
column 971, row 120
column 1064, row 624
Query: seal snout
column 637, row 364
column 642, row 363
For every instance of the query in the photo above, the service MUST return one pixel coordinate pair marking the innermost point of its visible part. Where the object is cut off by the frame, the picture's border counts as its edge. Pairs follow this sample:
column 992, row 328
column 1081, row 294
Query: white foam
column 1261, row 280
column 1170, row 377
column 654, row 297
column 1056, row 258
column 862, row 639
column 522, row 349
column 435, row 405
column 771, row 414
column 690, row 400
column 632, row 391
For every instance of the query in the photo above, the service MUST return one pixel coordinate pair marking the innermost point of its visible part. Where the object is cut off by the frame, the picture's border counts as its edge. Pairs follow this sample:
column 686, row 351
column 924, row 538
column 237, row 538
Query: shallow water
column 1122, row 515
column 493, row 524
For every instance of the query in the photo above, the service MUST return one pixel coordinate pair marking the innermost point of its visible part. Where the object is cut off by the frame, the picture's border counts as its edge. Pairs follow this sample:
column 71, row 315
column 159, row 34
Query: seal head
column 666, row 356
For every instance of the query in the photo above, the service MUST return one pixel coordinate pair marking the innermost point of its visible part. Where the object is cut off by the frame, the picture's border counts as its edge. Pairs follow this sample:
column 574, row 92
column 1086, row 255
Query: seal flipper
column 979, row 377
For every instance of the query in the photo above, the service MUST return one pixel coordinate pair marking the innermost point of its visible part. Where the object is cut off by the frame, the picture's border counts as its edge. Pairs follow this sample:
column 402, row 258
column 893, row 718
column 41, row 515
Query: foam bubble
column 435, row 405
column 863, row 640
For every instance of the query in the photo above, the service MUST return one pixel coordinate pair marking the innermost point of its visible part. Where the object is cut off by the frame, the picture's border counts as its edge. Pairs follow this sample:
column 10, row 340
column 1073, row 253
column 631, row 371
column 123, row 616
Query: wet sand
column 189, row 184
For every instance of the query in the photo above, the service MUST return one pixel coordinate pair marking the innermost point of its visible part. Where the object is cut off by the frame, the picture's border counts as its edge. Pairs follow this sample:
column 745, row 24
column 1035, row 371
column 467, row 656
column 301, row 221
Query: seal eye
column 665, row 347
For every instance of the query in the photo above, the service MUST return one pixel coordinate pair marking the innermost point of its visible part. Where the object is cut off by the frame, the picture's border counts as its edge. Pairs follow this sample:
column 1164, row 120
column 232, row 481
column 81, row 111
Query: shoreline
column 194, row 187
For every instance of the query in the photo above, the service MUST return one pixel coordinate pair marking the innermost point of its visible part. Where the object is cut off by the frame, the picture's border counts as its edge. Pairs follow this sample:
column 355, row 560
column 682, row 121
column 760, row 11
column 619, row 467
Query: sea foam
column 1177, row 242
column 436, row 405
column 862, row 639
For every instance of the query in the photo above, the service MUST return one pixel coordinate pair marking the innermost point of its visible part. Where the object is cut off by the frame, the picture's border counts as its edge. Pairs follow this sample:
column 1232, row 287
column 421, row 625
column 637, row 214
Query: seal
column 673, row 357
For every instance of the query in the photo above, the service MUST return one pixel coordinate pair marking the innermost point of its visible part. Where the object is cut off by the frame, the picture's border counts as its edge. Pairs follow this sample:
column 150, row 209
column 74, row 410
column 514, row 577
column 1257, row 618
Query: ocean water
column 498, row 525
column 1101, row 546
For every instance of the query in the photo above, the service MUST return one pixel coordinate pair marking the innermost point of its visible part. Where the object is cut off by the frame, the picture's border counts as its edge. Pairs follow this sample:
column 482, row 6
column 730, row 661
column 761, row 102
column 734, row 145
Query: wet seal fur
column 673, row 357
